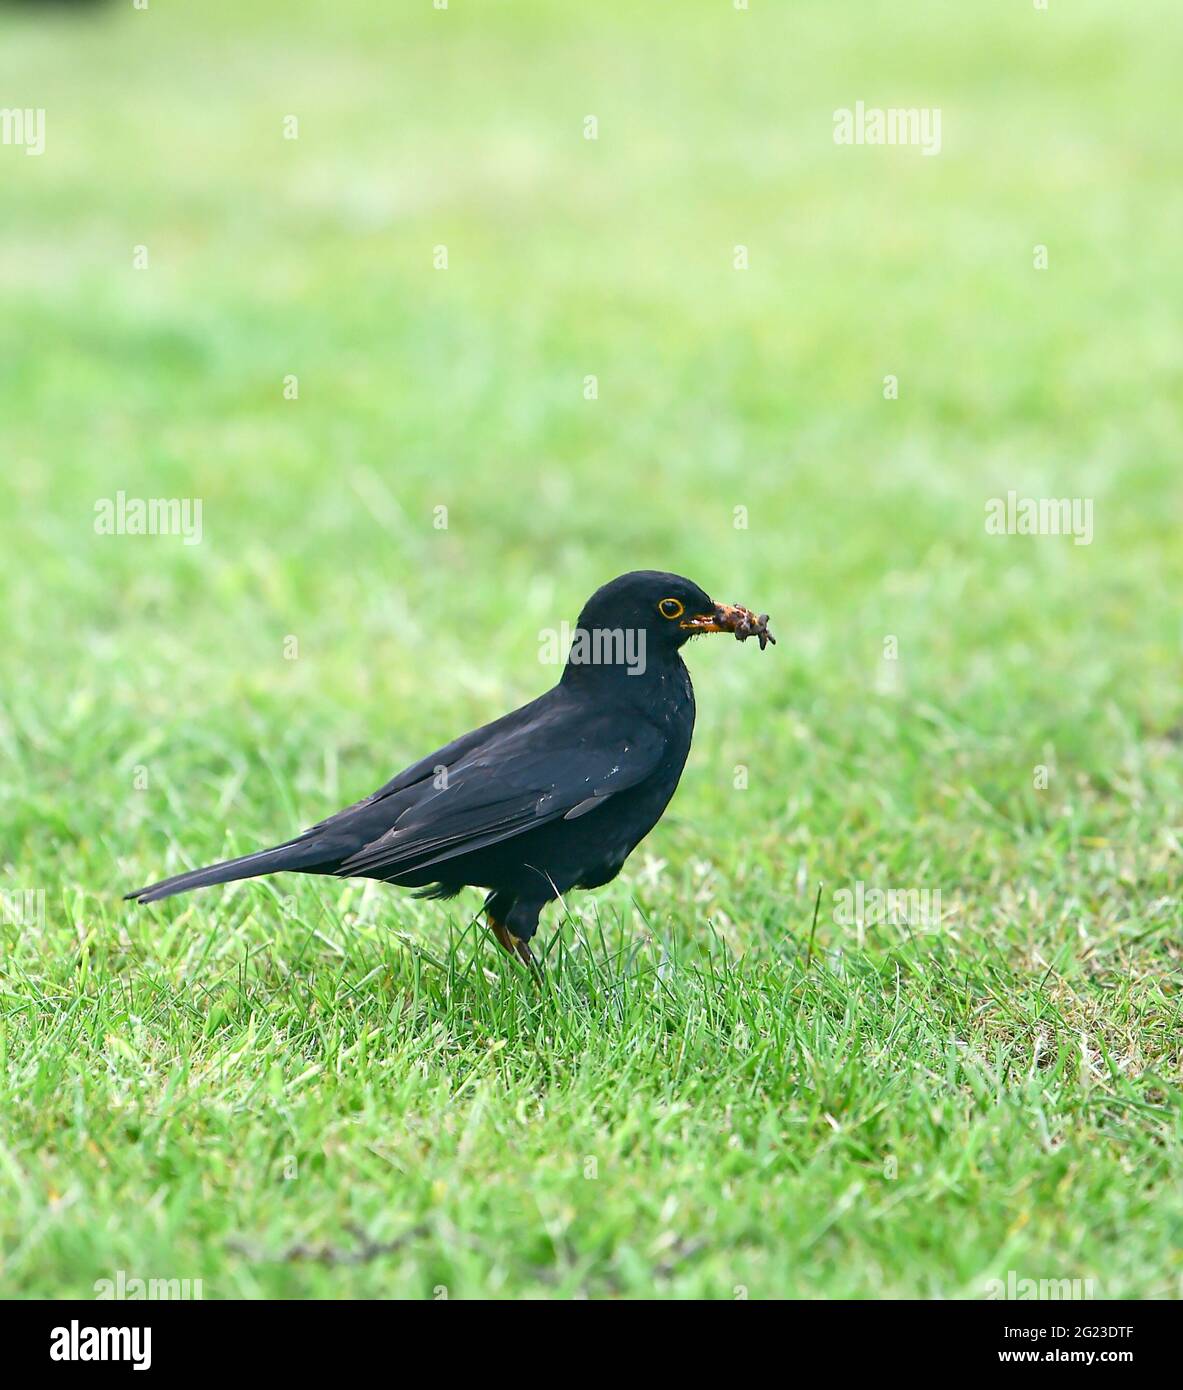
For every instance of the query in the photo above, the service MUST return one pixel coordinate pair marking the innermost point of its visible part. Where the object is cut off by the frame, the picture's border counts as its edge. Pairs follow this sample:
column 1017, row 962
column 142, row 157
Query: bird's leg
column 514, row 945
column 507, row 917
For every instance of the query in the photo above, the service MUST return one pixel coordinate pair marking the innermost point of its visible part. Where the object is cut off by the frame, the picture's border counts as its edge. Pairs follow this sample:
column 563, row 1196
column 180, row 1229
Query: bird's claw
column 513, row 945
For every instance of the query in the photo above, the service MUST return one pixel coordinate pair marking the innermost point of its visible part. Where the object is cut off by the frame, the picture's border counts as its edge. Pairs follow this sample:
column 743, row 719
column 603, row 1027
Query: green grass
column 247, row 1085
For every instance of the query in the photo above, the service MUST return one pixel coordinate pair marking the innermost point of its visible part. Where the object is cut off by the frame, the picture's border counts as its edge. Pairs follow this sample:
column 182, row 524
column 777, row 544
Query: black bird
column 554, row 796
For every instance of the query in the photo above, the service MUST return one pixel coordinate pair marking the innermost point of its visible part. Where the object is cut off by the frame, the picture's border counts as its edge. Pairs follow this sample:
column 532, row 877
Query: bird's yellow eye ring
column 671, row 608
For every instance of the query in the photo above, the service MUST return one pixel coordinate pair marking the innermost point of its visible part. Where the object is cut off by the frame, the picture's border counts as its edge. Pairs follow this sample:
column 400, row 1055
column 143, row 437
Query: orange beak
column 732, row 617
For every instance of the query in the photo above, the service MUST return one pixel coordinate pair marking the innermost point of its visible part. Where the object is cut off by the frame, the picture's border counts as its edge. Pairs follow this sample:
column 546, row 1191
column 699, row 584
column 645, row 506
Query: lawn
column 407, row 473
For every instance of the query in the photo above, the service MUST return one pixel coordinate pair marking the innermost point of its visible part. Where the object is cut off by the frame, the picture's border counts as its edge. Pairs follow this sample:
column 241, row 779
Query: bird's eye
column 671, row 608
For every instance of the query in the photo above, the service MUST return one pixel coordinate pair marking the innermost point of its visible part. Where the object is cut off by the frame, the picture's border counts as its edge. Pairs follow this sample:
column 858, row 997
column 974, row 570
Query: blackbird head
column 650, row 614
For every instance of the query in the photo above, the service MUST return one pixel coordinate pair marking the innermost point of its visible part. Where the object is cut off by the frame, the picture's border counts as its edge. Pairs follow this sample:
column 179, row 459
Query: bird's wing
column 544, row 769
column 428, row 767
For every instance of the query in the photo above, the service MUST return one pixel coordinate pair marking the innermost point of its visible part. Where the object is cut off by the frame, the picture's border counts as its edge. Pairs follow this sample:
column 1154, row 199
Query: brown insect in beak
column 732, row 617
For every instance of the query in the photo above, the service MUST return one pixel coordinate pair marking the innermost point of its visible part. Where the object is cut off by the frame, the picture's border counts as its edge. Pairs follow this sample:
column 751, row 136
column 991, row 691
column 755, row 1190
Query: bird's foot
column 514, row 945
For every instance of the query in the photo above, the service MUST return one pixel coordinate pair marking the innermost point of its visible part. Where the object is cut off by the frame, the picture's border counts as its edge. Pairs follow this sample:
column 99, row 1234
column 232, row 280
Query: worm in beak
column 733, row 617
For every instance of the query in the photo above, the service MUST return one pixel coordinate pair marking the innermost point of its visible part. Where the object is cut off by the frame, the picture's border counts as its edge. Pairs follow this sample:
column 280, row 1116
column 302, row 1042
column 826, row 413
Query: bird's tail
column 298, row 855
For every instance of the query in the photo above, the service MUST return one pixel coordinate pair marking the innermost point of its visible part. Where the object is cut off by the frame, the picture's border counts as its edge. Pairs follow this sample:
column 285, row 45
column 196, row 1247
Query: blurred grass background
column 137, row 657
